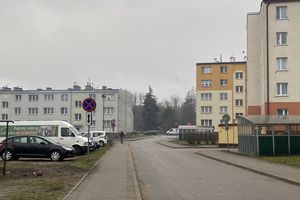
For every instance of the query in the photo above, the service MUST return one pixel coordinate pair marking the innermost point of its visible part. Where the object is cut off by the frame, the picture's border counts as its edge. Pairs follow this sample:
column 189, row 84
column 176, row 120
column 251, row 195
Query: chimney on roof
column 104, row 87
column 48, row 88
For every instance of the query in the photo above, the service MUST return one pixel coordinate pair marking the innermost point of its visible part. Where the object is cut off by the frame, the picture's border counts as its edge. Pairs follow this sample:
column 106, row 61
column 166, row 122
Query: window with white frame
column 206, row 96
column 109, row 97
column 17, row 110
column 239, row 102
column 18, row 97
column 108, row 110
column 281, row 63
column 223, row 82
column 64, row 97
column 107, row 123
column 206, row 70
column 77, row 116
column 48, row 97
column 4, row 116
column 282, row 89
column 48, row 111
column 281, row 38
column 223, row 69
column 239, row 89
column 63, row 110
column 77, row 104
column 206, row 109
column 33, row 111
column 206, row 122
column 223, row 109
column 282, row 112
column 33, row 97
column 206, row 83
column 223, row 96
column 4, row 104
column 239, row 75
column 281, row 12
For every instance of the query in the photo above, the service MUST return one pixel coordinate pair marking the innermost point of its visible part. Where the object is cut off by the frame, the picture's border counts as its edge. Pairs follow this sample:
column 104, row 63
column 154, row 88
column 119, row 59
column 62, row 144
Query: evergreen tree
column 150, row 111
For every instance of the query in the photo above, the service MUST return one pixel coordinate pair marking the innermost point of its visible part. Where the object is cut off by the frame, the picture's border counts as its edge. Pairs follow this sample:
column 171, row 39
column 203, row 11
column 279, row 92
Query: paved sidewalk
column 278, row 171
column 112, row 178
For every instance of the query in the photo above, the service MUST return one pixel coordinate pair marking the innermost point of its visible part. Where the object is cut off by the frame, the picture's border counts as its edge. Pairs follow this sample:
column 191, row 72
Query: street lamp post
column 103, row 98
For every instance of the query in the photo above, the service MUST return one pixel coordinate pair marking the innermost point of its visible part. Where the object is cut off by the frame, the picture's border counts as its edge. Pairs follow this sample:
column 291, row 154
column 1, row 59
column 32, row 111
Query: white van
column 172, row 131
column 97, row 136
column 60, row 131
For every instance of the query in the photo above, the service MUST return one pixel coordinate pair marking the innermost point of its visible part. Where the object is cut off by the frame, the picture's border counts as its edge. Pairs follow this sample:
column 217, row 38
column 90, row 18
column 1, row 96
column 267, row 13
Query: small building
column 269, row 135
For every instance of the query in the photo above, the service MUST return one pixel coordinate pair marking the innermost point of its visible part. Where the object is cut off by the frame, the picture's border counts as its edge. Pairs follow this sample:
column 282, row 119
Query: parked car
column 34, row 147
column 151, row 132
column 97, row 136
column 173, row 131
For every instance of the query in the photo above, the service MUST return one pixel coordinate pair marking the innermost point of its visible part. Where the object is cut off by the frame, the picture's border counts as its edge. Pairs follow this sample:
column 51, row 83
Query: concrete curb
column 85, row 175
column 293, row 182
column 186, row 147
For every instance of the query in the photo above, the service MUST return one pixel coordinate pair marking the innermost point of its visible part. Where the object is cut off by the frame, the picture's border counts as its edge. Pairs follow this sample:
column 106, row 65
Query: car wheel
column 9, row 155
column 78, row 151
column 101, row 143
column 56, row 155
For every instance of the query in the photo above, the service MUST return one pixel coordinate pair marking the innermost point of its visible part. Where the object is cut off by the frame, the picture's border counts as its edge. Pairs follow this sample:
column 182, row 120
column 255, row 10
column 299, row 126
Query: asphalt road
column 166, row 173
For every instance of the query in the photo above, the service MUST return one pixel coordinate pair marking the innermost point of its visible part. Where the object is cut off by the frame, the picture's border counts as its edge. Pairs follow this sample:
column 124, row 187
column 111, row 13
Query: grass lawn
column 289, row 160
column 21, row 181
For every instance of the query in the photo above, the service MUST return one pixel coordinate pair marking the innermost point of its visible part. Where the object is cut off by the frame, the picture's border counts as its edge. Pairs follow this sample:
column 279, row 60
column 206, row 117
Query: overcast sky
column 128, row 44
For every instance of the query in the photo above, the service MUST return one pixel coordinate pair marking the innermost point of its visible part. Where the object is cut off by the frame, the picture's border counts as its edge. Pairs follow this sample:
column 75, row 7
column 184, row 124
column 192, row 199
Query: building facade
column 273, row 41
column 220, row 89
column 66, row 105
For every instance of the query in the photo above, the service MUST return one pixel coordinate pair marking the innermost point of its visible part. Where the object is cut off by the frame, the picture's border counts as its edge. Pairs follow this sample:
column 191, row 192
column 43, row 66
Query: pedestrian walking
column 122, row 134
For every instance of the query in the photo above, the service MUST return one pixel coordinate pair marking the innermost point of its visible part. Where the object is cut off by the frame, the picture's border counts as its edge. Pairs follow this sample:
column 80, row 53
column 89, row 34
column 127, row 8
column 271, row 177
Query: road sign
column 89, row 104
column 89, row 119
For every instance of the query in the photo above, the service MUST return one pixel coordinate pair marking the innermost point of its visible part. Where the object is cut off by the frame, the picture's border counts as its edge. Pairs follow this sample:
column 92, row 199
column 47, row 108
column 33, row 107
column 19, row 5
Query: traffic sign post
column 89, row 105
column 226, row 119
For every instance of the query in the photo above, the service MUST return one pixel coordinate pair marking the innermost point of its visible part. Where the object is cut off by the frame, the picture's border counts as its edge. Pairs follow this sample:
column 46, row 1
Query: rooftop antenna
column 220, row 57
column 232, row 59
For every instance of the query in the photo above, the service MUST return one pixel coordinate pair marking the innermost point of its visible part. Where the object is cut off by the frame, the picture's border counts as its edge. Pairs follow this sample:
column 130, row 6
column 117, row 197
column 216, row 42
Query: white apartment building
column 66, row 105
column 273, row 48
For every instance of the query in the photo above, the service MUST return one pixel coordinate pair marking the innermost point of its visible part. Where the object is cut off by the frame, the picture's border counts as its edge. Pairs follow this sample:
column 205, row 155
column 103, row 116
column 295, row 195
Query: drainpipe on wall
column 268, row 70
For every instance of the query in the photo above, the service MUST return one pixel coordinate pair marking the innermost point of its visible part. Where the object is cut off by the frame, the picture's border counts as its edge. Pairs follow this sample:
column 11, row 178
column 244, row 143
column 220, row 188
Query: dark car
column 34, row 147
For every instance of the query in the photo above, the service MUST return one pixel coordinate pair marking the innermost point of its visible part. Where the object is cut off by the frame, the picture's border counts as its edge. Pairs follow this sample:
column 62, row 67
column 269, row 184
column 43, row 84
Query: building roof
column 222, row 63
column 269, row 120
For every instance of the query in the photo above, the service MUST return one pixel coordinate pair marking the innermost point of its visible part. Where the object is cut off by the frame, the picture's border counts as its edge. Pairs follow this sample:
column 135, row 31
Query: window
column 66, row 132
column 18, row 97
column 281, row 12
column 223, row 109
column 63, row 110
column 93, row 122
column 77, row 104
column 36, row 140
column 239, row 75
column 93, row 96
column 206, row 70
column 281, row 63
column 33, row 111
column 281, row 38
column 239, row 102
column 206, row 122
column 282, row 89
column 223, row 82
column 17, row 111
column 33, row 97
column 107, row 123
column 49, row 97
column 206, row 83
column 238, row 114
column 223, row 96
column 206, row 96
column 4, row 116
column 239, row 89
column 48, row 110
column 282, row 112
column 109, row 97
column 64, row 97
column 206, row 109
column 4, row 104
column 108, row 110
column 78, row 117
column 223, row 69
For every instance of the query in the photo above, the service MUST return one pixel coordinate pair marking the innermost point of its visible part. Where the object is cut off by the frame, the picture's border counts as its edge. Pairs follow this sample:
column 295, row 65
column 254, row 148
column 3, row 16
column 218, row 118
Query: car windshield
column 75, row 131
